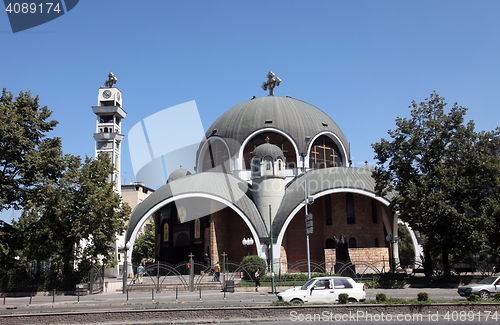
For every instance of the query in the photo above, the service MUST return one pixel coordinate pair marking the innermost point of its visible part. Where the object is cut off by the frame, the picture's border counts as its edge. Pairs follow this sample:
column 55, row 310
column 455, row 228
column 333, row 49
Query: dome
column 178, row 173
column 294, row 117
column 270, row 150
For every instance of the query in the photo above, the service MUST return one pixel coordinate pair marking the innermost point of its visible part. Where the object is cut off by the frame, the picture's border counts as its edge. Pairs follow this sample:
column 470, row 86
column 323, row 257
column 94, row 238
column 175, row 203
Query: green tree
column 74, row 215
column 405, row 246
column 445, row 176
column 144, row 245
column 23, row 130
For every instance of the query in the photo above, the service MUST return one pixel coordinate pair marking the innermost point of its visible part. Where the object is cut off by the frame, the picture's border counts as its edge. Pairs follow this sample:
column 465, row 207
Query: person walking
column 217, row 272
column 140, row 273
column 257, row 280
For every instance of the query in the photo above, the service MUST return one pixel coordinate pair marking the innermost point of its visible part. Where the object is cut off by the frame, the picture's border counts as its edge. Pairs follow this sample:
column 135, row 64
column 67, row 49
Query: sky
column 361, row 62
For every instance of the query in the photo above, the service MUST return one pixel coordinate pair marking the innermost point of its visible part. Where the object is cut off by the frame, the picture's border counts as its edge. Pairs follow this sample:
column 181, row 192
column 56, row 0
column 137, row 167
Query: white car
column 325, row 290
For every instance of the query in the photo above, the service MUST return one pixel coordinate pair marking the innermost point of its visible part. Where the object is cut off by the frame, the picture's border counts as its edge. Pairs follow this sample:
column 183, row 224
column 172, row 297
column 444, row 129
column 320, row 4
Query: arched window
column 329, row 243
column 377, row 244
column 324, row 154
column 274, row 138
column 216, row 157
column 352, row 242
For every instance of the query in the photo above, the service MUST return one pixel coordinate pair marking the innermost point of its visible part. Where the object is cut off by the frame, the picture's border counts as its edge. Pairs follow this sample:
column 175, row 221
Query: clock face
column 106, row 94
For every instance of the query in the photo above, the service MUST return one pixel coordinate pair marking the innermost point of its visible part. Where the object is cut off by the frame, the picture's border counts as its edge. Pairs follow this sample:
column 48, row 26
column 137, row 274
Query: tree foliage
column 74, row 216
column 144, row 245
column 445, row 176
column 23, row 129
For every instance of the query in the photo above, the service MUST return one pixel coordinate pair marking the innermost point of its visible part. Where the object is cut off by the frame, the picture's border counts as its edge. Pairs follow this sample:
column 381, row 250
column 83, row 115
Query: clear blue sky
column 362, row 62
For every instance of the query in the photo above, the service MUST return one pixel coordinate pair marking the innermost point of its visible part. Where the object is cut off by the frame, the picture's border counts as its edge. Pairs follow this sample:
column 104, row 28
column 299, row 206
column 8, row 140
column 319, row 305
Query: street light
column 308, row 221
column 125, row 267
column 392, row 240
column 247, row 242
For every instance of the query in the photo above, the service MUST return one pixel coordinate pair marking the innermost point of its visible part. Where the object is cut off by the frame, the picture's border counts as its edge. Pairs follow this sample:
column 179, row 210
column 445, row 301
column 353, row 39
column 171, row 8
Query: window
column 374, row 211
column 349, row 203
column 268, row 164
column 377, row 244
column 328, row 210
column 352, row 242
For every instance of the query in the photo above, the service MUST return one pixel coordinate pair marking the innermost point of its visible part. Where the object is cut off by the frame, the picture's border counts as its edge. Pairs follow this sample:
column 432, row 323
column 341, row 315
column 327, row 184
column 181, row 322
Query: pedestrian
column 140, row 273
column 257, row 280
column 217, row 272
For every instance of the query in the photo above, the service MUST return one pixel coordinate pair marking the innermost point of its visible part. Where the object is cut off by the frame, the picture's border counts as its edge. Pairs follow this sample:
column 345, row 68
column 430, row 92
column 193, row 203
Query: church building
column 276, row 170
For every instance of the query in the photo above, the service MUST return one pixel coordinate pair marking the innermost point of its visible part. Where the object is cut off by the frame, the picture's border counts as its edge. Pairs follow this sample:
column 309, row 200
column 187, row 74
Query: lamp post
column 391, row 240
column 247, row 242
column 125, row 267
column 308, row 230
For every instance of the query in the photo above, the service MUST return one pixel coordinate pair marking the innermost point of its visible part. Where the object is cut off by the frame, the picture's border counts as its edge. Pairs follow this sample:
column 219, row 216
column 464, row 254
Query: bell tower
column 108, row 137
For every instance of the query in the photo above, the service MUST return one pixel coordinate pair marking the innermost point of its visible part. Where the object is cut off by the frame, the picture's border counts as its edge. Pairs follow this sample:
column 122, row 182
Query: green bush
column 251, row 263
column 422, row 296
column 497, row 296
column 473, row 298
column 381, row 297
column 343, row 298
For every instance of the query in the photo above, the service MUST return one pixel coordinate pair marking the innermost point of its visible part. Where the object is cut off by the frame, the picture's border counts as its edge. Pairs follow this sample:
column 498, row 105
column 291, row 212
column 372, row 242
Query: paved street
column 185, row 299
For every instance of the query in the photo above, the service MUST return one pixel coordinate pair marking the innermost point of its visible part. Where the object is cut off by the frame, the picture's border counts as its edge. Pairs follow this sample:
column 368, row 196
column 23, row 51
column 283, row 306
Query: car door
column 322, row 292
column 497, row 284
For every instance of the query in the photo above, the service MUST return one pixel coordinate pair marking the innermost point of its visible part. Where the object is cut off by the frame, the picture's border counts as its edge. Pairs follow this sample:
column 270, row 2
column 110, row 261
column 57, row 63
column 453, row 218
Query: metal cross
column 271, row 83
column 191, row 255
column 111, row 80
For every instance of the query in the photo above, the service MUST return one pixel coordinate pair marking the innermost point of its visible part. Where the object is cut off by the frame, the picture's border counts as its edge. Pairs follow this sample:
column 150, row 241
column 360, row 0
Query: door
column 322, row 292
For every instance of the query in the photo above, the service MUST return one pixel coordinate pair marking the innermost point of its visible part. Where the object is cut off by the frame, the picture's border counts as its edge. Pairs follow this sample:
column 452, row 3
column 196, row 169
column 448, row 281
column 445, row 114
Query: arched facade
column 259, row 162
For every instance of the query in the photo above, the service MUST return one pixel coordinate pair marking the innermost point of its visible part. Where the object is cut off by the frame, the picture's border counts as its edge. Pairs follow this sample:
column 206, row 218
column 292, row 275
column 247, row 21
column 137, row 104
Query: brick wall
column 365, row 259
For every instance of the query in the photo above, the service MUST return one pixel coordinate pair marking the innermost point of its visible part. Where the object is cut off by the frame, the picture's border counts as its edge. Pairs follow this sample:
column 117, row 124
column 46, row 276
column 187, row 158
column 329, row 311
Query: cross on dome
column 271, row 83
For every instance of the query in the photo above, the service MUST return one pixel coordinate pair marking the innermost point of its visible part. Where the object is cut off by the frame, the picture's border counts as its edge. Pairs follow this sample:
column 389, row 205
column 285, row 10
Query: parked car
column 325, row 290
column 484, row 289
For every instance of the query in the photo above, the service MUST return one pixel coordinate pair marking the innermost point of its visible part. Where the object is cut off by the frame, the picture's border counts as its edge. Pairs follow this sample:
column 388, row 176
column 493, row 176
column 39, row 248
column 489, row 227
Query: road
column 183, row 299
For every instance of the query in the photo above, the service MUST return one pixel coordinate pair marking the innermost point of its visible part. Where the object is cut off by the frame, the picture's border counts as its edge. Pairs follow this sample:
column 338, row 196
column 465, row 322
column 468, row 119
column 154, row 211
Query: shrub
column 250, row 264
column 381, row 297
column 473, row 298
column 497, row 296
column 343, row 298
column 422, row 296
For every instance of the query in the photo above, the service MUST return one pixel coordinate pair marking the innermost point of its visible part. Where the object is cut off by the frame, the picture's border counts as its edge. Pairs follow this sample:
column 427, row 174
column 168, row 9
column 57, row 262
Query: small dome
column 178, row 173
column 270, row 150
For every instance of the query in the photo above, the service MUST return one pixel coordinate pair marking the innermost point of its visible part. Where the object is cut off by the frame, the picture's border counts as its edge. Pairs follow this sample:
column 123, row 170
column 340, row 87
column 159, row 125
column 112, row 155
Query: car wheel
column 352, row 300
column 296, row 301
column 484, row 294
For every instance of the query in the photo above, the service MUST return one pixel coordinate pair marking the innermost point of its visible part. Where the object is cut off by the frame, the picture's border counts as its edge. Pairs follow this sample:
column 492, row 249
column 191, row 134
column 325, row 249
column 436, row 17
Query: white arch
column 163, row 203
column 323, row 193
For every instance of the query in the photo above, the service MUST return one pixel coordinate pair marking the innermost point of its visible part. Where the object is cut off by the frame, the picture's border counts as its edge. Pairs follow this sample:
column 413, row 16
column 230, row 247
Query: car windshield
column 488, row 280
column 308, row 284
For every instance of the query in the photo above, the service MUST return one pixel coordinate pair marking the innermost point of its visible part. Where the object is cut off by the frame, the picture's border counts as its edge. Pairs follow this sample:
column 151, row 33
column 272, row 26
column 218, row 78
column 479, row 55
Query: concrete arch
column 384, row 201
column 131, row 235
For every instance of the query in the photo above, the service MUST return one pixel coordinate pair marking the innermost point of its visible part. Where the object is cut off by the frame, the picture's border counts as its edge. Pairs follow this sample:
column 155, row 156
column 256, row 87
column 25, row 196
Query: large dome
column 296, row 118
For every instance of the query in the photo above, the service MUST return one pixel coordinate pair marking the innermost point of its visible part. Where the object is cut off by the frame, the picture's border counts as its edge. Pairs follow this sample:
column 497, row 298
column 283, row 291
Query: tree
column 74, row 215
column 445, row 176
column 23, row 130
column 144, row 245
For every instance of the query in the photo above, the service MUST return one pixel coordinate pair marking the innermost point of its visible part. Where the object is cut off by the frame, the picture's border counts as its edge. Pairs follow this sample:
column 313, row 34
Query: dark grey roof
column 267, row 149
column 320, row 180
column 225, row 186
column 296, row 118
column 178, row 173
